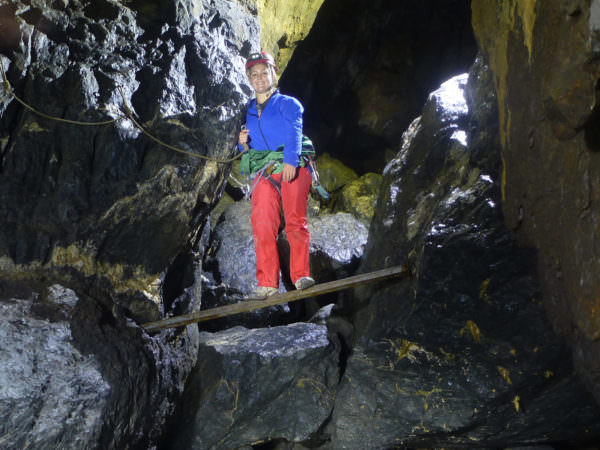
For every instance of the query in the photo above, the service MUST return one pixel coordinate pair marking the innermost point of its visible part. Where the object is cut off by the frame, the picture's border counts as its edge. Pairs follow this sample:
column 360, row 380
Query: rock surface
column 254, row 386
column 75, row 375
column 359, row 197
column 462, row 354
column 284, row 24
column 547, row 52
column 105, row 208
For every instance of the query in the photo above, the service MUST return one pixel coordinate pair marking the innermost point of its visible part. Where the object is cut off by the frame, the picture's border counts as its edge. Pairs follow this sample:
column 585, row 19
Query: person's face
column 261, row 78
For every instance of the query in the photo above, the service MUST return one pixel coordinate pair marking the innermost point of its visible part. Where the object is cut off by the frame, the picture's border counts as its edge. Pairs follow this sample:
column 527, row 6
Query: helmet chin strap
column 261, row 97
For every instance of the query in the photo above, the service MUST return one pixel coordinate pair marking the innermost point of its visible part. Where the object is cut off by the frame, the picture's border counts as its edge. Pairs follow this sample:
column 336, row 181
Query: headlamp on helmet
column 260, row 58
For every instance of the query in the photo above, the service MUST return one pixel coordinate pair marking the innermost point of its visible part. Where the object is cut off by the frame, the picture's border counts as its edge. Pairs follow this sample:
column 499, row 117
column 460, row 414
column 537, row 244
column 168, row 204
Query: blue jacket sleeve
column 291, row 111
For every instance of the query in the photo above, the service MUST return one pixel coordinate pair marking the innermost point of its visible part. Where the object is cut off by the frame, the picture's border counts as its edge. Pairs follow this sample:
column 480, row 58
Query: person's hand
column 288, row 173
column 243, row 137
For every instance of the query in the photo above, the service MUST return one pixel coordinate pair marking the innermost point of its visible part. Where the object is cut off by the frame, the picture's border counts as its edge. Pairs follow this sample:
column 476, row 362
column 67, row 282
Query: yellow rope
column 8, row 88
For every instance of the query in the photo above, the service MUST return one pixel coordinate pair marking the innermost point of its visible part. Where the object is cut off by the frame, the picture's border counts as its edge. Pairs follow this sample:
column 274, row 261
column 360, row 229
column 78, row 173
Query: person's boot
column 261, row 292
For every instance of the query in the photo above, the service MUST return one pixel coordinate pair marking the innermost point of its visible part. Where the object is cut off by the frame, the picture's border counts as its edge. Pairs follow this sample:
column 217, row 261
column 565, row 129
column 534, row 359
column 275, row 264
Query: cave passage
column 366, row 68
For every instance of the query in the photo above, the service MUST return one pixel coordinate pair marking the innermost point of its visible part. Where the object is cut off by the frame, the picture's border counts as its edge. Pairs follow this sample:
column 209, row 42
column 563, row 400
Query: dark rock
column 550, row 155
column 74, row 375
column 254, row 386
column 105, row 208
column 462, row 354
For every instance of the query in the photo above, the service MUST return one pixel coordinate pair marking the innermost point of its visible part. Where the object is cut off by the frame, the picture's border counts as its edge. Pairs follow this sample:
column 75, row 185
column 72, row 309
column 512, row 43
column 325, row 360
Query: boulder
column 461, row 354
column 333, row 174
column 256, row 386
column 76, row 375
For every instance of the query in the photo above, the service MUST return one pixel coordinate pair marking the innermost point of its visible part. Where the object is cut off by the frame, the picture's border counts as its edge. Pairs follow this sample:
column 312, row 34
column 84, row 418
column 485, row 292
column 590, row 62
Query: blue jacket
column 280, row 124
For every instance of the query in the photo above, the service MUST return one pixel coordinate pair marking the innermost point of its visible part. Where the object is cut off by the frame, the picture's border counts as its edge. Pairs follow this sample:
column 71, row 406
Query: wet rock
column 255, row 386
column 105, row 208
column 73, row 375
column 51, row 393
column 462, row 353
column 337, row 243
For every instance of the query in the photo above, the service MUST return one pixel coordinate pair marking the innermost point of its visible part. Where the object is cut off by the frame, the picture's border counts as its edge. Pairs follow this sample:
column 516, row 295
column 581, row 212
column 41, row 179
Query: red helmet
column 260, row 58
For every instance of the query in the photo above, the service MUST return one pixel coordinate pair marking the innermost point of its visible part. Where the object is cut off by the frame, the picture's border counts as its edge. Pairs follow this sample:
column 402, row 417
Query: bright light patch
column 460, row 136
column 451, row 94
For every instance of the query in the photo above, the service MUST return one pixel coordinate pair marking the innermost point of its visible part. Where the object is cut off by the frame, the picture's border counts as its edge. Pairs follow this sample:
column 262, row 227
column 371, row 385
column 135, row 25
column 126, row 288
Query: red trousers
column 266, row 218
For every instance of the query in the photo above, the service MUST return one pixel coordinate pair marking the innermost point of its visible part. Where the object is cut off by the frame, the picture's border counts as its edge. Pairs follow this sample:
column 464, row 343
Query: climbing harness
column 128, row 114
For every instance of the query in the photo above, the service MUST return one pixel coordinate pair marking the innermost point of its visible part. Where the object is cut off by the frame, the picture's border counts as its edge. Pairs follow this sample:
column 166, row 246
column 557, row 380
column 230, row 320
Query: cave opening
column 366, row 68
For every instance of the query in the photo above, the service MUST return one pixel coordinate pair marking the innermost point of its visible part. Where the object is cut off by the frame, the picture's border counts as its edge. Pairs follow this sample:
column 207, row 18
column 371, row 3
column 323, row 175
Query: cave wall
column 105, row 209
column 545, row 59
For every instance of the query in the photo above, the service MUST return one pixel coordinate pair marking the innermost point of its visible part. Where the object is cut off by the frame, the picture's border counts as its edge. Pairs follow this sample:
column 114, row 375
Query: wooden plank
column 286, row 297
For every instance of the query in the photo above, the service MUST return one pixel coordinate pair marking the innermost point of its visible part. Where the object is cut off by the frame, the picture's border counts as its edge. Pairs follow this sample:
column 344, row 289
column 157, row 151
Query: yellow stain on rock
column 494, row 24
column 483, row 295
column 472, row 327
column 517, row 403
column 283, row 24
column 407, row 349
column 316, row 385
column 233, row 388
column 504, row 373
column 426, row 395
column 82, row 259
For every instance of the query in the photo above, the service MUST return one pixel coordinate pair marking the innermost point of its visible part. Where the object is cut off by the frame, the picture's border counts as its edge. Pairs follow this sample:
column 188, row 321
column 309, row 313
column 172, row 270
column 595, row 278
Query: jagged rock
column 462, row 354
column 105, row 208
column 232, row 258
column 550, row 149
column 260, row 385
column 73, row 375
column 337, row 243
column 224, row 202
column 359, row 197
